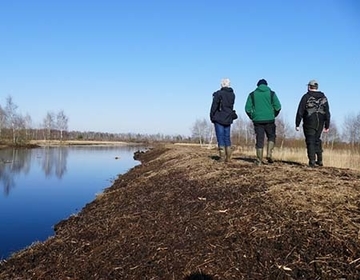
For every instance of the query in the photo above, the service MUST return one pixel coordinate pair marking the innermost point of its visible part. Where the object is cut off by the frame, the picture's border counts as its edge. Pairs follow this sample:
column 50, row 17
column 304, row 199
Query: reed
column 334, row 158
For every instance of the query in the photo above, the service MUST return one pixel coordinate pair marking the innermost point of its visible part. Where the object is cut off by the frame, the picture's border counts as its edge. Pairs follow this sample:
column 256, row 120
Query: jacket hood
column 263, row 88
column 316, row 94
column 227, row 89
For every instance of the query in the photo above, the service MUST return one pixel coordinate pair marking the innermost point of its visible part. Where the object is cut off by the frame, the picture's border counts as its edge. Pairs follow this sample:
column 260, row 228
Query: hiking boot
column 270, row 147
column 228, row 152
column 259, row 156
column 312, row 163
column 319, row 163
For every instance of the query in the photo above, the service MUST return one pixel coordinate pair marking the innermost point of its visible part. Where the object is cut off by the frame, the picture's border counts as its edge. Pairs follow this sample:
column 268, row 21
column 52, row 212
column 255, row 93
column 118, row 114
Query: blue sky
column 152, row 66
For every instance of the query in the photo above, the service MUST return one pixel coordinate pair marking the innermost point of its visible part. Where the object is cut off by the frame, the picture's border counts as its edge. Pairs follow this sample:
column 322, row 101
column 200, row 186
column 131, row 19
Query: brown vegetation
column 183, row 215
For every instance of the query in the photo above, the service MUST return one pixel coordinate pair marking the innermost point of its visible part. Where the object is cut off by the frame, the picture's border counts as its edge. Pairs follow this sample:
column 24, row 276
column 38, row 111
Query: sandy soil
column 181, row 214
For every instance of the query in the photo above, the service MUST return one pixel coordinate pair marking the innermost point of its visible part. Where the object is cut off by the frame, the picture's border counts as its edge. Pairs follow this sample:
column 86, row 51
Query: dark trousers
column 262, row 129
column 313, row 143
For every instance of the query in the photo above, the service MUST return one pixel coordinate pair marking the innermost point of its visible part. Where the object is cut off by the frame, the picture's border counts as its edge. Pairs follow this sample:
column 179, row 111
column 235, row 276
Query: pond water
column 40, row 187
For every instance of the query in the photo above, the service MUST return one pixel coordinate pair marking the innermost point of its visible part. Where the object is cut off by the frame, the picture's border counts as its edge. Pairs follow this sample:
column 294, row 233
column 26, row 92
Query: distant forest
column 18, row 129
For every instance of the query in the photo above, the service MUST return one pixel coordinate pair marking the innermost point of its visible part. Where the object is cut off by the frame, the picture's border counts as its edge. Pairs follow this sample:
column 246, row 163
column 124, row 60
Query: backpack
column 316, row 105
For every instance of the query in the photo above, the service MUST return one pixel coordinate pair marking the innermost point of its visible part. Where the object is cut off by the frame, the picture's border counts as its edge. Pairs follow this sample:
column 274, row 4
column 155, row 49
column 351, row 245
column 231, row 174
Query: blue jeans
column 223, row 135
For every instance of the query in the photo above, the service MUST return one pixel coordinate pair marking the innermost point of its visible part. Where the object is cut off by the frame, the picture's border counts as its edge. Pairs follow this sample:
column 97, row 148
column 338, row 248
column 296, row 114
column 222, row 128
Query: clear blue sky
column 152, row 66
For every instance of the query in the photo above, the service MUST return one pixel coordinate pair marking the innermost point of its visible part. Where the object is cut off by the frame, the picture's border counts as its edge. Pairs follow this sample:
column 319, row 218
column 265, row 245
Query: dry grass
column 333, row 158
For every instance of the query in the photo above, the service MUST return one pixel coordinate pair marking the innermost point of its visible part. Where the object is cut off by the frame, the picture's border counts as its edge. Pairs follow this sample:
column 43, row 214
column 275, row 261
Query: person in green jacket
column 262, row 107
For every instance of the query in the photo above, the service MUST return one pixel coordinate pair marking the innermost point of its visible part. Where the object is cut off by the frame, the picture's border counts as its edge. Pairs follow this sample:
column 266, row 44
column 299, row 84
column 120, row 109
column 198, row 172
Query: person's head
column 225, row 82
column 313, row 85
column 262, row 82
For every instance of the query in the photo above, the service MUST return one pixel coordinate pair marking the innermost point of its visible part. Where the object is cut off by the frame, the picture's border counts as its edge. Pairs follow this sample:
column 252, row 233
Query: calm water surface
column 40, row 187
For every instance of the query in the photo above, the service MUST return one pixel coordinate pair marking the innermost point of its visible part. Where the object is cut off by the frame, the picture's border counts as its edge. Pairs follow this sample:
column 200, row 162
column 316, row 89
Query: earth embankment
column 181, row 214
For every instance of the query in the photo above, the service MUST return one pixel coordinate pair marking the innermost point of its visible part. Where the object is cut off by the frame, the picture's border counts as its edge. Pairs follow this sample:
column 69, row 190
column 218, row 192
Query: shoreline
column 50, row 143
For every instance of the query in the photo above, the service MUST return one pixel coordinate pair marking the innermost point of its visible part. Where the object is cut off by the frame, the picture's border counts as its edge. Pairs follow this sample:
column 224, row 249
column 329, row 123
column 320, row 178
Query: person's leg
column 318, row 148
column 227, row 139
column 220, row 132
column 270, row 130
column 260, row 136
column 310, row 139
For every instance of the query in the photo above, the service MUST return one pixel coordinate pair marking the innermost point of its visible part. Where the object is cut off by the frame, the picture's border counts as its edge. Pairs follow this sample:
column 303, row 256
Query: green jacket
column 262, row 105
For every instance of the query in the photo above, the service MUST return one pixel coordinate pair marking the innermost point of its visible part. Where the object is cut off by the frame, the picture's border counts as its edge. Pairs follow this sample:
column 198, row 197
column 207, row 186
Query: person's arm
column 276, row 105
column 214, row 105
column 300, row 112
column 249, row 107
column 327, row 116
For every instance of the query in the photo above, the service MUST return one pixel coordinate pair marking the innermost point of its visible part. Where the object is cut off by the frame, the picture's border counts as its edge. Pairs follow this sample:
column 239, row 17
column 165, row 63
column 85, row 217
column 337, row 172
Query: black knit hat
column 262, row 82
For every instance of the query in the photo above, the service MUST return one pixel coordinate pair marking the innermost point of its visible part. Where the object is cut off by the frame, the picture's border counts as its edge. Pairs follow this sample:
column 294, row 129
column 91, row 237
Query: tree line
column 243, row 133
column 18, row 129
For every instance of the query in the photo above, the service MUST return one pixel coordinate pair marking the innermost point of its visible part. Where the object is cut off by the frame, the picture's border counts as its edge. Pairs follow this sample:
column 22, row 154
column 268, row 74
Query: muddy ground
column 181, row 214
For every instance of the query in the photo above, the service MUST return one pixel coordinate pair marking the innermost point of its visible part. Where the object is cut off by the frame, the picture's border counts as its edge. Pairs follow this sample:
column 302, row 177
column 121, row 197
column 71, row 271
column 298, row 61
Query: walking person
column 222, row 114
column 262, row 107
column 314, row 111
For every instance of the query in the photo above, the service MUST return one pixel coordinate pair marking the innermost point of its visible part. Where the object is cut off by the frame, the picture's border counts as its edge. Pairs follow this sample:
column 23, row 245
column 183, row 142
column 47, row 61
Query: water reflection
column 12, row 162
column 52, row 160
column 18, row 161
column 42, row 186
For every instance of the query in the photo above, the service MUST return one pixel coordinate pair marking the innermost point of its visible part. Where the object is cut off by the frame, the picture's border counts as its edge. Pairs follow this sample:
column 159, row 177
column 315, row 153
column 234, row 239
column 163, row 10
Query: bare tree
column 19, row 127
column 2, row 120
column 243, row 131
column 203, row 131
column 351, row 129
column 283, row 130
column 28, row 126
column 11, row 116
column 62, row 123
column 332, row 136
column 236, row 131
column 48, row 124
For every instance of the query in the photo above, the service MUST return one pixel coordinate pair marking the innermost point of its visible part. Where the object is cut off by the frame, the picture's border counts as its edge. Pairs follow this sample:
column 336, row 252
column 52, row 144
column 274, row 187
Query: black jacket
column 313, row 110
column 222, row 106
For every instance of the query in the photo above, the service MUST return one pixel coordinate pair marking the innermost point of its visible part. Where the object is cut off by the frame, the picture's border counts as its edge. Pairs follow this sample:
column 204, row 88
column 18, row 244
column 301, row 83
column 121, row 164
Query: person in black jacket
column 314, row 111
column 222, row 115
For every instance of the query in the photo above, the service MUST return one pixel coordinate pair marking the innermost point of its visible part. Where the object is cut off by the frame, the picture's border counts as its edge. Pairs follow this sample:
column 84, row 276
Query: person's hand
column 297, row 128
column 326, row 130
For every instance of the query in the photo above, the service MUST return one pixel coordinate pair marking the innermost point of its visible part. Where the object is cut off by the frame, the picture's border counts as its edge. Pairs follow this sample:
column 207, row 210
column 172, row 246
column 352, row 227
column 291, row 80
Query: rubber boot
column 319, row 160
column 270, row 147
column 221, row 153
column 259, row 156
column 228, row 152
column 311, row 153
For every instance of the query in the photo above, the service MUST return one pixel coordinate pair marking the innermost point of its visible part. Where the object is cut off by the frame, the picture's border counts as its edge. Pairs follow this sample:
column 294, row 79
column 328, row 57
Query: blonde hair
column 225, row 82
